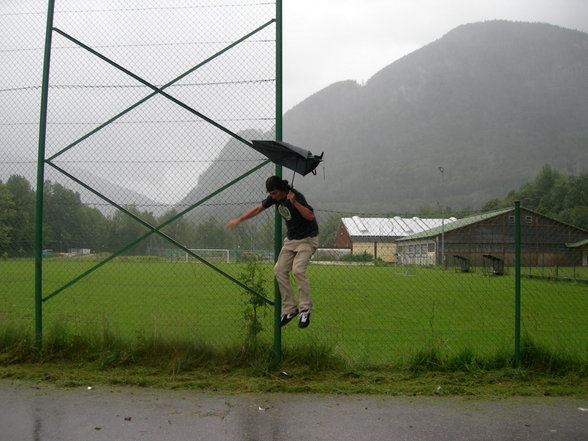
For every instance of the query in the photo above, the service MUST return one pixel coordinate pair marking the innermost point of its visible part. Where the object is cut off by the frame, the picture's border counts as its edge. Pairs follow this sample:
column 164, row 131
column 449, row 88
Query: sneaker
column 287, row 317
column 304, row 319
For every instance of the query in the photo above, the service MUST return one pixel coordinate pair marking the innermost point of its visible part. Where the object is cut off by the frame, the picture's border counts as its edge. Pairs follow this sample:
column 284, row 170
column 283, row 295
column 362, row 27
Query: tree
column 266, row 235
column 23, row 222
column 577, row 196
column 577, row 216
column 7, row 216
column 564, row 198
column 179, row 229
column 328, row 230
column 124, row 229
column 68, row 223
column 531, row 194
column 60, row 216
column 211, row 234
column 93, row 229
column 493, row 204
column 246, row 236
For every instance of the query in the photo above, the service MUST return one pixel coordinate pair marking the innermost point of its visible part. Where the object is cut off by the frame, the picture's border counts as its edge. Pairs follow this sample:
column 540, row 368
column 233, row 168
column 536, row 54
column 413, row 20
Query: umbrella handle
column 294, row 174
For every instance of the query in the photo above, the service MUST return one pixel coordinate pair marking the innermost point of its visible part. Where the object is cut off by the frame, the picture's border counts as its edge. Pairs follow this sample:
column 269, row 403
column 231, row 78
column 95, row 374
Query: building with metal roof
column 582, row 247
column 488, row 238
column 378, row 236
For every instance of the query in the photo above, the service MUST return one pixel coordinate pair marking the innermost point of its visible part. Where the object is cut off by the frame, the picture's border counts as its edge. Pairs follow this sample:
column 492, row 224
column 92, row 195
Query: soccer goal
column 209, row 254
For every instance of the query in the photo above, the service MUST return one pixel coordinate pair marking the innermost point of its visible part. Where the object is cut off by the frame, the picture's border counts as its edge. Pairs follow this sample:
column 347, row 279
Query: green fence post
column 517, row 243
column 40, row 182
column 278, row 218
column 277, row 295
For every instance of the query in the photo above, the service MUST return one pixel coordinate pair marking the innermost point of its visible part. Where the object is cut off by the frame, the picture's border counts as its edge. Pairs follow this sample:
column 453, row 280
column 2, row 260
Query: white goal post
column 209, row 254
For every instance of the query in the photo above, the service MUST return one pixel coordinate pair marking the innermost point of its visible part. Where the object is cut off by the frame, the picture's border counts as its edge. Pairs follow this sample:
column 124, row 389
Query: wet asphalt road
column 30, row 412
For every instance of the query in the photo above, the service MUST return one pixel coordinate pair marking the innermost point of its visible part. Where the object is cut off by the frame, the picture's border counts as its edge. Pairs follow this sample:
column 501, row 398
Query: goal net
column 211, row 255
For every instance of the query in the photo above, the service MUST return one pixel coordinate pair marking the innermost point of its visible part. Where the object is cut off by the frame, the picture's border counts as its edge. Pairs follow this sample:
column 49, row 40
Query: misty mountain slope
column 235, row 159
column 490, row 102
column 21, row 166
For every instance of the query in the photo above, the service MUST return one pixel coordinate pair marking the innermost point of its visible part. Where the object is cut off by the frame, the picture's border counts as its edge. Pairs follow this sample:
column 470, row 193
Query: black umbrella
column 295, row 158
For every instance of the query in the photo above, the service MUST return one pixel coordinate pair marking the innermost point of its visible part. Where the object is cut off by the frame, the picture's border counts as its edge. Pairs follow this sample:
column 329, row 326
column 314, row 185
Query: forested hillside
column 489, row 102
column 71, row 224
column 553, row 194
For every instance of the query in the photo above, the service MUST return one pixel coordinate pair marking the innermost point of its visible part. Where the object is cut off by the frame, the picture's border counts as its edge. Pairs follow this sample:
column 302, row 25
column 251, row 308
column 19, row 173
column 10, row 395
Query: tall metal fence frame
column 111, row 223
column 43, row 161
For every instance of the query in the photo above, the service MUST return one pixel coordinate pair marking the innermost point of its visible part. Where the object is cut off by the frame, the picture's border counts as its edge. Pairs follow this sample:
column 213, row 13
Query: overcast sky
column 325, row 41
column 333, row 40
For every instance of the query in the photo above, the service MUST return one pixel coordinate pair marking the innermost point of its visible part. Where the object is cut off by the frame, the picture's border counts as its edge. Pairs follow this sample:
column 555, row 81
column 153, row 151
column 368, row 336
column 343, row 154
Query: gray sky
column 333, row 40
column 327, row 41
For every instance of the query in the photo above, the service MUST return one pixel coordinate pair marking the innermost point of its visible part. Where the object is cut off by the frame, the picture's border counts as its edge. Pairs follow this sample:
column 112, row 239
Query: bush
column 364, row 257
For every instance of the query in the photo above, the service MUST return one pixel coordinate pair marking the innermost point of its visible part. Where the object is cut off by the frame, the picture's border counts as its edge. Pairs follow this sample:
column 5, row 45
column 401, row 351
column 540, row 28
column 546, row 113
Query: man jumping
column 300, row 244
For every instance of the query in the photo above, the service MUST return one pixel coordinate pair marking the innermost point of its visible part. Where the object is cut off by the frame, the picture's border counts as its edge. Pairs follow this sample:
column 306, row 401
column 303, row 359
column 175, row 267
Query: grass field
column 371, row 315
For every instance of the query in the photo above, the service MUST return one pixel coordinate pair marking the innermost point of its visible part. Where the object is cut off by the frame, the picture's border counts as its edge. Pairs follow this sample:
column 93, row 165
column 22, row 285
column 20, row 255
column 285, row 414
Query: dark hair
column 276, row 183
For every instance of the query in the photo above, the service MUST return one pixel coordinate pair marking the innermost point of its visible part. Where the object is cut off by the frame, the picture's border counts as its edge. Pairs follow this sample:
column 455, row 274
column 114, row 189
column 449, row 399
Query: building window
column 527, row 220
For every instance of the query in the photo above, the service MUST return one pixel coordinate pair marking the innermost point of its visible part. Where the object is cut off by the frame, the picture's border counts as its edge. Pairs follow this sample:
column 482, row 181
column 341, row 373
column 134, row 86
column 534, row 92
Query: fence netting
column 124, row 161
column 150, row 108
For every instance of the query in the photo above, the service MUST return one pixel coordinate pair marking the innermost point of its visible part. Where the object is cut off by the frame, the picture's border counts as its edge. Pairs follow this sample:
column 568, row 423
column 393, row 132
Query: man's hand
column 253, row 212
column 232, row 223
column 306, row 213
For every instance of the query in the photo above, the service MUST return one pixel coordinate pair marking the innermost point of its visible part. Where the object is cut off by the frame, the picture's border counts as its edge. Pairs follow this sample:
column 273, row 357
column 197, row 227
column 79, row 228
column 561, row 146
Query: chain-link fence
column 150, row 112
column 395, row 288
column 150, row 109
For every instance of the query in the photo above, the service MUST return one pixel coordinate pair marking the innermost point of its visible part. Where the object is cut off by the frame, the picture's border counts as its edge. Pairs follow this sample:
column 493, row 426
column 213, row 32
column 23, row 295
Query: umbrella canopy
column 295, row 158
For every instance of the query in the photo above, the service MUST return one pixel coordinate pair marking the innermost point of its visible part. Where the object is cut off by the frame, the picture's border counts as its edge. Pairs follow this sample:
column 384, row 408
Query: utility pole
column 442, row 171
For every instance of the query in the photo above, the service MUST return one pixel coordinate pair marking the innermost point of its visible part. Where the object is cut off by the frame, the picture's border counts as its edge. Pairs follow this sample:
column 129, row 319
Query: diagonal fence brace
column 165, row 86
column 156, row 230
column 154, row 88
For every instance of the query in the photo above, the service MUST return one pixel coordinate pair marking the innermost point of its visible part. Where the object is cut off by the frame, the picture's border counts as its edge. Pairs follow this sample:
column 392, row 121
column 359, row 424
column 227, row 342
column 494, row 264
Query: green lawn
column 370, row 314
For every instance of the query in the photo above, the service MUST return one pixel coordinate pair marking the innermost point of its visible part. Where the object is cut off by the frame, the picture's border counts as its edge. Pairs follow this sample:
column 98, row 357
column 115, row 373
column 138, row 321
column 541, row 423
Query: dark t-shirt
column 298, row 227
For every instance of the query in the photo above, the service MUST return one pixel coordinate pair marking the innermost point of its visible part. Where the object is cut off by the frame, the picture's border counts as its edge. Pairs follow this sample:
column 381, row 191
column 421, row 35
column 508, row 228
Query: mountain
column 234, row 160
column 489, row 102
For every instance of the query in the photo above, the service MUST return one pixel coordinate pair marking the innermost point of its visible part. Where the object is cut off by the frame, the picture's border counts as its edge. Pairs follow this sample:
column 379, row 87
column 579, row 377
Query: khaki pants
column 294, row 258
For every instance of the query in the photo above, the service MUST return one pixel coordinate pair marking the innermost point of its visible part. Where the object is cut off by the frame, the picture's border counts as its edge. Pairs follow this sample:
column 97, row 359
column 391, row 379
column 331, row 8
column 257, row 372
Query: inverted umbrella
column 295, row 158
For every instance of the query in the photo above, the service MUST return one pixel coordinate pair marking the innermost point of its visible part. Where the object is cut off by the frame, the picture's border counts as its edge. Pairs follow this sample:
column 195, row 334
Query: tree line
column 551, row 193
column 70, row 224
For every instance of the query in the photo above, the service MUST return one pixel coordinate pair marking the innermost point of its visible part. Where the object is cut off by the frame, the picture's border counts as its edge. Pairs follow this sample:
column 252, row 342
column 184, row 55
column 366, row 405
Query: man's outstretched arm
column 248, row 215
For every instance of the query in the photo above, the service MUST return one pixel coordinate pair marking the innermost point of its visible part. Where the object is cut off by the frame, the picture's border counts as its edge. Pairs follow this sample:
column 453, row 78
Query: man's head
column 277, row 187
